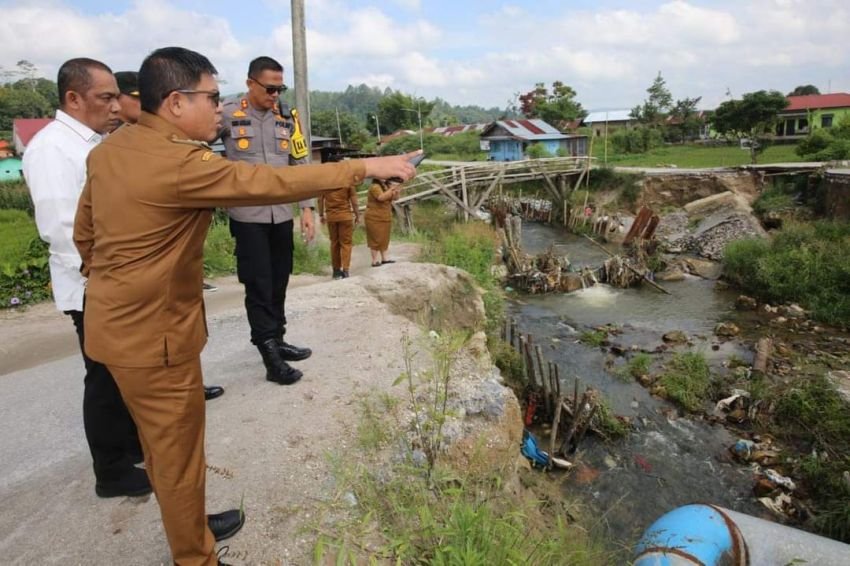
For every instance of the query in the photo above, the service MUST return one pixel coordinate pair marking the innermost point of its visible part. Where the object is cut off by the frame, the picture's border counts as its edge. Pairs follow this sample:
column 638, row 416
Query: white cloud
column 609, row 55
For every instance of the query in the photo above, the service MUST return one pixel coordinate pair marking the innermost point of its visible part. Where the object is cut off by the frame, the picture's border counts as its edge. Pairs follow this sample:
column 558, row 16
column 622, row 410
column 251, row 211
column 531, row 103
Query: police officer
column 257, row 131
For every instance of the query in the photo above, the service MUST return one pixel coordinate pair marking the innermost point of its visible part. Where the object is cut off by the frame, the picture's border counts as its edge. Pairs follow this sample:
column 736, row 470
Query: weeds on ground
column 637, row 366
column 687, row 380
column 24, row 272
column 608, row 422
column 815, row 417
column 593, row 338
column 219, row 258
column 16, row 196
column 406, row 509
column 805, row 263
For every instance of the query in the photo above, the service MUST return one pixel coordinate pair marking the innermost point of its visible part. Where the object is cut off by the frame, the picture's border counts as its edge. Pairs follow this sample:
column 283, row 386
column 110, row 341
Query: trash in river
column 529, row 449
column 742, row 449
column 782, row 504
column 781, row 480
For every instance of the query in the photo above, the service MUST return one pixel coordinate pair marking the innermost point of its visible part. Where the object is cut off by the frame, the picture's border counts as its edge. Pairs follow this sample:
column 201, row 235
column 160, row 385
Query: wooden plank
column 464, row 191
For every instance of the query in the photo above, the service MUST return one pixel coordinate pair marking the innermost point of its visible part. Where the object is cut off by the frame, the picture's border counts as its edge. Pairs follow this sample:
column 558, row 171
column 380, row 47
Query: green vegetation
column 693, row 156
column 537, row 151
column 814, row 416
column 687, row 380
column 24, row 273
column 423, row 512
column 636, row 140
column 636, row 367
column 593, row 338
column 16, row 196
column 461, row 147
column 827, row 144
column 751, row 118
column 807, row 264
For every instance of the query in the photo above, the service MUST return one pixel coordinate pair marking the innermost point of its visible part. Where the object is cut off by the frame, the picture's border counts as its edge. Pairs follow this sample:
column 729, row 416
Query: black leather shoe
column 212, row 391
column 338, row 274
column 277, row 370
column 292, row 353
column 225, row 525
column 134, row 483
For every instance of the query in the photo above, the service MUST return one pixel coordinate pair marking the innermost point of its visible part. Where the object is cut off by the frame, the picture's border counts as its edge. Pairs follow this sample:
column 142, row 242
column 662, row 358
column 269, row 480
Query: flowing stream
column 667, row 461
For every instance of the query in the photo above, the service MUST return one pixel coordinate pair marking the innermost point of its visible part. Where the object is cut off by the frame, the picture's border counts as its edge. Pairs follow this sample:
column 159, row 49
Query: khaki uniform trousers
column 167, row 404
column 342, row 237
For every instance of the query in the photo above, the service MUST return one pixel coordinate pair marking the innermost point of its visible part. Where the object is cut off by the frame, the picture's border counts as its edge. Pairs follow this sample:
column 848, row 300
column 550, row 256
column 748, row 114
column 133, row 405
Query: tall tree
column 750, row 118
column 655, row 108
column 324, row 123
column 21, row 103
column 559, row 105
column 684, row 121
column 401, row 111
column 803, row 90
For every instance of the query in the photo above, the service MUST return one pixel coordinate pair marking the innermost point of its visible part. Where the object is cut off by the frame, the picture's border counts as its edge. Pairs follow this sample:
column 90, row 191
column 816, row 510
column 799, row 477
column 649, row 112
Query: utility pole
column 299, row 60
column 378, row 129
column 338, row 128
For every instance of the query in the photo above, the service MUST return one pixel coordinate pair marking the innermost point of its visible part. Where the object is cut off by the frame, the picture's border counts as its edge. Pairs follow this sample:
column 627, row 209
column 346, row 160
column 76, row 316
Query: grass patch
column 807, row 264
column 637, row 366
column 593, row 338
column 815, row 417
column 24, row 273
column 687, row 380
column 16, row 196
column 695, row 156
column 218, row 250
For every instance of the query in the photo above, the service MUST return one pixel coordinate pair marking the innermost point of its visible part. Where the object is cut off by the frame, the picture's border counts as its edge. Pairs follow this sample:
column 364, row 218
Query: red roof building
column 810, row 112
column 818, row 102
column 24, row 129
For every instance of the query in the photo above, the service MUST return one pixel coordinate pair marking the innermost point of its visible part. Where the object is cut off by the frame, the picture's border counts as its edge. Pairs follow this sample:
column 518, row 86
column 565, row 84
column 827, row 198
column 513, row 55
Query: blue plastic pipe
column 707, row 535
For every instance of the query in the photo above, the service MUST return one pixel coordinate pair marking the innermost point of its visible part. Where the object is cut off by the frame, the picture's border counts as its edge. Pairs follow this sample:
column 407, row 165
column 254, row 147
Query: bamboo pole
column 555, row 425
column 544, row 380
column 642, row 275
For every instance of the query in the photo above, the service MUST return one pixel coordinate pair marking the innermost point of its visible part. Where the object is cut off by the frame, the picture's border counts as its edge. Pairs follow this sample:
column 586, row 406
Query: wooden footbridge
column 469, row 184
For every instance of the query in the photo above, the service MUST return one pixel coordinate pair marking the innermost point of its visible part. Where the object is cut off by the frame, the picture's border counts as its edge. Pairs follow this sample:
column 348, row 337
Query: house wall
column 802, row 123
column 10, row 169
column 505, row 150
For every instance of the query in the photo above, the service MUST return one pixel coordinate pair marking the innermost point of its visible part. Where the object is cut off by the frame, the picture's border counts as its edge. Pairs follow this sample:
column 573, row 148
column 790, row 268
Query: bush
column 470, row 247
column 219, row 258
column 24, row 272
column 806, row 264
column 537, row 151
column 636, row 140
column 465, row 146
column 16, row 196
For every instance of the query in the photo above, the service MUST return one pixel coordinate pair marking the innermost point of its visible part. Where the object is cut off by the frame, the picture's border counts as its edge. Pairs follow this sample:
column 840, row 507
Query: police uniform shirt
column 258, row 136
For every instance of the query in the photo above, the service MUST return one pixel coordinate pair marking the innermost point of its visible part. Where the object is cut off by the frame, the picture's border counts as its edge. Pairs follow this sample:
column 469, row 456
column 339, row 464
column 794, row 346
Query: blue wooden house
column 508, row 140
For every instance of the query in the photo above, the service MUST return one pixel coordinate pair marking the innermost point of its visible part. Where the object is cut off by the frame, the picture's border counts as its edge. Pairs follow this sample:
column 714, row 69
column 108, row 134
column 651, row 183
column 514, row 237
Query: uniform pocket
column 243, row 138
column 282, row 141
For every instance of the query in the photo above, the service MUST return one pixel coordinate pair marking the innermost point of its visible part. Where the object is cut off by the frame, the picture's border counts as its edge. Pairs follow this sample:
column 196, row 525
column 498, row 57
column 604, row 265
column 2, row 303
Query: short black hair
column 169, row 69
column 261, row 64
column 75, row 75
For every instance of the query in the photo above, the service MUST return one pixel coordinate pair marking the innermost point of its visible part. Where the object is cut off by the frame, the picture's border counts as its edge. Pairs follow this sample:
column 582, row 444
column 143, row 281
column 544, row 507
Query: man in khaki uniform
column 340, row 211
column 140, row 228
column 255, row 131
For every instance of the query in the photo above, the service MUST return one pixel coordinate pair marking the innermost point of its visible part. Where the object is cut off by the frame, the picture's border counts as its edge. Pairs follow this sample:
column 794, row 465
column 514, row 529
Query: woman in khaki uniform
column 338, row 209
column 379, row 219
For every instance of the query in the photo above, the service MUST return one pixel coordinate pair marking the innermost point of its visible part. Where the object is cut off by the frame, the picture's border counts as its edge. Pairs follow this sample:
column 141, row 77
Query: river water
column 668, row 460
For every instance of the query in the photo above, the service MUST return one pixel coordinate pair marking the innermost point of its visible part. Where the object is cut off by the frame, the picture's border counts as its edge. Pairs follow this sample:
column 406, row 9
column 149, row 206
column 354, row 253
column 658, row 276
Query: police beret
column 128, row 82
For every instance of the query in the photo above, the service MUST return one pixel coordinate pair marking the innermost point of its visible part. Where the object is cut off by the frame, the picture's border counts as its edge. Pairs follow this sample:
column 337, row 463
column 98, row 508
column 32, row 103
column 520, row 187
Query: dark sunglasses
column 271, row 89
column 213, row 95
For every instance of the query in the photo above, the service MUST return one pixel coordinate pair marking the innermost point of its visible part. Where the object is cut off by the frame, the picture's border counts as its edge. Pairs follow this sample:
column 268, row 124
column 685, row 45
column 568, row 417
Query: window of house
column 826, row 121
column 803, row 124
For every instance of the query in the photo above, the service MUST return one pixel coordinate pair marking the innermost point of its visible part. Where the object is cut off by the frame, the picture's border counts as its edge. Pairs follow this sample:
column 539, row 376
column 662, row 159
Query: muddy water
column 667, row 461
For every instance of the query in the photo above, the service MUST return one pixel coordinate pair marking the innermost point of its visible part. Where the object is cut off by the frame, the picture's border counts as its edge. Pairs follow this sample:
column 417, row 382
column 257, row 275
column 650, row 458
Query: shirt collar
column 79, row 128
column 154, row 122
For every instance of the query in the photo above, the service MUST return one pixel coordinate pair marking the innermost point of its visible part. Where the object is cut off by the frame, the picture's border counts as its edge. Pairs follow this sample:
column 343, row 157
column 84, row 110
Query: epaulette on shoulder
column 196, row 143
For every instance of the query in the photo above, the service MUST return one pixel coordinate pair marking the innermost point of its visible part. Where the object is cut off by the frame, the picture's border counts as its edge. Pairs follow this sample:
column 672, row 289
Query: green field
column 693, row 156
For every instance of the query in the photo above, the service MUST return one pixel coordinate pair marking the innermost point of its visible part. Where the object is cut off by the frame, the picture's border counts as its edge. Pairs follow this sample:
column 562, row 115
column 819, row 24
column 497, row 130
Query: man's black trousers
column 263, row 264
column 110, row 430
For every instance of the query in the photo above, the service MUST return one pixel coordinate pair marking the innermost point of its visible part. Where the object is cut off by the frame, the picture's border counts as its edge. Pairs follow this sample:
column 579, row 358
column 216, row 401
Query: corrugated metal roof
column 609, row 116
column 817, row 101
column 530, row 130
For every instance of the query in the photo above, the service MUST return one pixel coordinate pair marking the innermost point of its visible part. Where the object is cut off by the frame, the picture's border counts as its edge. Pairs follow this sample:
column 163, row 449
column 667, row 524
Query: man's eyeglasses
column 213, row 95
column 271, row 89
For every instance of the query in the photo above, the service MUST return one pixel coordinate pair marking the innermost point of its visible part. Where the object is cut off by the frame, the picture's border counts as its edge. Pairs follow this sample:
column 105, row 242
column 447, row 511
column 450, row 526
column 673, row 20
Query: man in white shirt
column 55, row 170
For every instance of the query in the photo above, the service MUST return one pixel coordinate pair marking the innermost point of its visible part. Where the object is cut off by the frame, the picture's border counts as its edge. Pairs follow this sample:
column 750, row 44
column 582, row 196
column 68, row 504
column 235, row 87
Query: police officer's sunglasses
column 271, row 89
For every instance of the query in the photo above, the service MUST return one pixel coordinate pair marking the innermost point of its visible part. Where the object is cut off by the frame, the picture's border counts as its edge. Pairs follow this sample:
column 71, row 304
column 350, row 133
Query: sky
column 464, row 51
